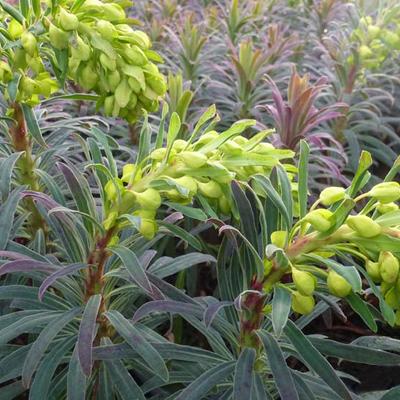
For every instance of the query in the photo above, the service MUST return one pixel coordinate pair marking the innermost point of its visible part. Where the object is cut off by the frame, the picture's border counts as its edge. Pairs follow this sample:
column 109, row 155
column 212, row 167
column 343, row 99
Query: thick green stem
column 26, row 164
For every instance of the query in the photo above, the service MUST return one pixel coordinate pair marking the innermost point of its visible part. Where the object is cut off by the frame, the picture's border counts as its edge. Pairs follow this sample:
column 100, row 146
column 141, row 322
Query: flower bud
column 109, row 222
column 127, row 171
column 373, row 31
column 386, row 192
column 385, row 287
column 122, row 93
column 106, row 29
column 135, row 55
column 109, row 105
column 302, row 304
column 15, row 29
column 278, row 238
column 364, row 226
column 113, row 12
column 107, row 62
column 337, row 285
column 68, row 21
column 232, row 148
column 210, row 189
column 158, row 154
column 29, row 43
column 188, row 183
column 240, row 140
column 388, row 266
column 88, row 78
column 397, row 320
column 148, row 228
column 373, row 270
column 207, row 138
column 157, row 83
column 305, row 282
column 267, row 266
column 319, row 219
column 179, row 145
column 224, row 205
column 58, row 38
column 80, row 49
column 365, row 52
column 111, row 190
column 5, row 72
column 392, row 299
column 193, row 159
column 332, row 195
column 150, row 199
column 113, row 78
column 387, row 208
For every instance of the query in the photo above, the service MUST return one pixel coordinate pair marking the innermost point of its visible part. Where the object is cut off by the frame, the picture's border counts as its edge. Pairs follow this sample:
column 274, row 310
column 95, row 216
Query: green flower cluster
column 98, row 50
column 184, row 170
column 377, row 40
column 372, row 236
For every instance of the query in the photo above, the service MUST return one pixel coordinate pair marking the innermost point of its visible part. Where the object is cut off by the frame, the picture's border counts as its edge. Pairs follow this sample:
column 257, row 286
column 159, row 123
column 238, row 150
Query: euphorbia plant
column 89, row 43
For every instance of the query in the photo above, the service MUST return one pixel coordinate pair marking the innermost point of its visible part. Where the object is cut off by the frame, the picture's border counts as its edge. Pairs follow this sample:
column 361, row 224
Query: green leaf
column 191, row 212
column 132, row 264
column 6, row 171
column 173, row 129
column 87, row 333
column 181, row 233
column 303, row 177
column 358, row 180
column 144, row 140
column 286, row 192
column 24, row 6
column 136, row 340
column 281, row 304
column 243, row 378
column 207, row 381
column 76, row 379
column 32, row 124
column 389, row 219
column 12, row 11
column 123, row 382
column 167, row 267
column 315, row 361
column 43, row 341
column 361, row 308
column 355, row 353
column 7, row 211
column 266, row 185
column 43, row 378
column 281, row 372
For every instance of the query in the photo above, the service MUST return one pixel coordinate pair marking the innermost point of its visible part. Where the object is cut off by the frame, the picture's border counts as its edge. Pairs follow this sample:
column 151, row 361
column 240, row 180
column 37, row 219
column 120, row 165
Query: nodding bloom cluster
column 183, row 170
column 371, row 236
column 95, row 47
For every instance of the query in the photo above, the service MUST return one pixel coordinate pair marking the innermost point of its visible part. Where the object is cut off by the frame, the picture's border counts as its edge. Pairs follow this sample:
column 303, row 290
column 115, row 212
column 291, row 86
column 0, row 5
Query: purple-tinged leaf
column 146, row 258
column 14, row 255
column 69, row 269
column 87, row 333
column 280, row 370
column 43, row 341
column 168, row 306
column 25, row 265
column 7, row 211
column 243, row 379
column 132, row 264
column 213, row 310
column 135, row 339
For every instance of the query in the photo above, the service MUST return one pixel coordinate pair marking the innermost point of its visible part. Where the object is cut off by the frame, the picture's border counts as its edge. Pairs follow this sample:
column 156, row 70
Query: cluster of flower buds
column 102, row 52
column 184, row 170
column 371, row 236
column 376, row 40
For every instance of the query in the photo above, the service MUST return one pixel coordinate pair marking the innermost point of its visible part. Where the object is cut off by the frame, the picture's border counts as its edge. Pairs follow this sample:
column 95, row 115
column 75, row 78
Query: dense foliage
column 182, row 231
